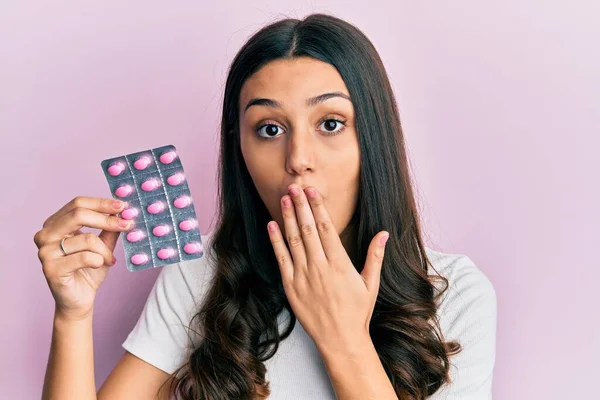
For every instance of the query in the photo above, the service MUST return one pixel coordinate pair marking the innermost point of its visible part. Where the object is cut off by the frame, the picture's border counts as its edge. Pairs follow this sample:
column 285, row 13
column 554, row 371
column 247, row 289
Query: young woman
column 315, row 283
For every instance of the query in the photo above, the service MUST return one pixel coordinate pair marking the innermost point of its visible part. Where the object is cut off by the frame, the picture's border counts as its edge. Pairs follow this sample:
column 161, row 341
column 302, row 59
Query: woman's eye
column 268, row 131
column 332, row 125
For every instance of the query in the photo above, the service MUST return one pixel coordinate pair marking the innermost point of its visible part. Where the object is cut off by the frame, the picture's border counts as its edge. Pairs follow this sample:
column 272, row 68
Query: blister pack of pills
column 154, row 186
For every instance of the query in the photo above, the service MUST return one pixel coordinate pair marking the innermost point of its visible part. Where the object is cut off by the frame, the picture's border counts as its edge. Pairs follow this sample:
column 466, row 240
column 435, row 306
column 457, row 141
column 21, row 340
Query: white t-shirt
column 467, row 313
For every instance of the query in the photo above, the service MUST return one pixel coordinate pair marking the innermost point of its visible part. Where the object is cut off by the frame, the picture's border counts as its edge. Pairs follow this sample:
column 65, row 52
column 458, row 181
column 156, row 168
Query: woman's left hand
column 332, row 301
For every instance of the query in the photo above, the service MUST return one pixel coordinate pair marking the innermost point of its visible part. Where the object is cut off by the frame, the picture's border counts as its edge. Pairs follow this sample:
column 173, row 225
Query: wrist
column 348, row 347
column 62, row 318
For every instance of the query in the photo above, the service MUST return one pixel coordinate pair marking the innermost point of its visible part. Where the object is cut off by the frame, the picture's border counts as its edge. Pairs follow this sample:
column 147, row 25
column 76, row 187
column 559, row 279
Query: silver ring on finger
column 62, row 246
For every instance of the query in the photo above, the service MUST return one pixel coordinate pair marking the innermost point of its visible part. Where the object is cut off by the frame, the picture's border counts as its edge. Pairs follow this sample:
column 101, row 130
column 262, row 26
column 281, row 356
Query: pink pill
column 116, row 168
column 168, row 157
column 150, row 185
column 161, row 230
column 156, row 207
column 182, row 201
column 130, row 213
column 142, row 162
column 175, row 179
column 124, row 190
column 193, row 247
column 165, row 253
column 135, row 235
column 139, row 259
column 187, row 225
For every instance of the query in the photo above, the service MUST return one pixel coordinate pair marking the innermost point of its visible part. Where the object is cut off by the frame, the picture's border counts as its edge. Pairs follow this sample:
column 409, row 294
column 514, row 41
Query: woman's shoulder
column 460, row 270
column 470, row 293
column 161, row 334
column 467, row 313
column 191, row 276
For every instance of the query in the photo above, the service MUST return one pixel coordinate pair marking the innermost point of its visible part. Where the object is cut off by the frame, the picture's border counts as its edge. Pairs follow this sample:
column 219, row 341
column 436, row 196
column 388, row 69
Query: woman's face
column 297, row 126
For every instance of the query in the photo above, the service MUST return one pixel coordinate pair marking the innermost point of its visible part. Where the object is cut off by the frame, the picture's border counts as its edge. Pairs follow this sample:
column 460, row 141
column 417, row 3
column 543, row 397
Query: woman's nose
column 300, row 153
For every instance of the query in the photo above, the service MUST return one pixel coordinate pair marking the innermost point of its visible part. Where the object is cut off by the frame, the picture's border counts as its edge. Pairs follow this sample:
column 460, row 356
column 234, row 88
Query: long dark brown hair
column 238, row 318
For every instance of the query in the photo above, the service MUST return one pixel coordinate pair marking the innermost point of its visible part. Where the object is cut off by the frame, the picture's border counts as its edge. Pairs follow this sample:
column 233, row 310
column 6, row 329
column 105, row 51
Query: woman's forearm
column 70, row 370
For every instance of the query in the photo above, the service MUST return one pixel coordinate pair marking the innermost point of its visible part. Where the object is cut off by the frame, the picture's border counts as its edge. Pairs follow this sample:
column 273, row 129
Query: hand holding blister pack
column 158, row 198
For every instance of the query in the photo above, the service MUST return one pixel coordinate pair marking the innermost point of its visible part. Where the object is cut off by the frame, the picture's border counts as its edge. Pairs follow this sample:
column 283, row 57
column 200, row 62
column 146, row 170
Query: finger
column 102, row 205
column 85, row 242
column 330, row 240
column 293, row 235
column 286, row 266
column 75, row 261
column 80, row 217
column 109, row 238
column 371, row 273
column 306, row 223
column 62, row 266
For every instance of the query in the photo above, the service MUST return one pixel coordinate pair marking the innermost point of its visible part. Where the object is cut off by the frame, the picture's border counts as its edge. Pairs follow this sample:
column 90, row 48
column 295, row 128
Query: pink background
column 500, row 107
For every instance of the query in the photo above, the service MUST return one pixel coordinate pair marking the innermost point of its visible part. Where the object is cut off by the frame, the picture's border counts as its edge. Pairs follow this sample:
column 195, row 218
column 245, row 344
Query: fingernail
column 287, row 202
column 294, row 191
column 114, row 260
column 383, row 239
column 272, row 226
column 311, row 193
column 123, row 223
column 117, row 204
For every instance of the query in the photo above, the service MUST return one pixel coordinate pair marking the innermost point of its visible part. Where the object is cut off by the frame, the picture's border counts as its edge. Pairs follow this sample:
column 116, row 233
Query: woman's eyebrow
column 313, row 101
